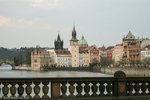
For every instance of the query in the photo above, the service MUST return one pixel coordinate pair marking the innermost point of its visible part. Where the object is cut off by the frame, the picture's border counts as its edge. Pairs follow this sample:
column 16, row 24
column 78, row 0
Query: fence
column 118, row 87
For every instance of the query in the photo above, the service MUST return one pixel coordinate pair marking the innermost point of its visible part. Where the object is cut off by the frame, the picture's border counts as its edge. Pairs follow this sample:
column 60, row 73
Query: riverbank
column 22, row 68
column 106, row 70
column 128, row 71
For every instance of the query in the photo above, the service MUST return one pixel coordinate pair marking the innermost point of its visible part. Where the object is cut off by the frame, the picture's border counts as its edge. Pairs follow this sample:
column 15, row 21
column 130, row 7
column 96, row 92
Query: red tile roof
column 62, row 52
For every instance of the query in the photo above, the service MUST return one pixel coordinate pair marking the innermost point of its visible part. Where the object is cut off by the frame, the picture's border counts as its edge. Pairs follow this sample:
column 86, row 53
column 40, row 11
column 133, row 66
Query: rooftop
column 83, row 41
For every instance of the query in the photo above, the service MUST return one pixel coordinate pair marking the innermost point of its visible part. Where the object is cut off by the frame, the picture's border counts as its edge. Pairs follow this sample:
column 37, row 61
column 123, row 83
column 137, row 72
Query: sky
column 27, row 23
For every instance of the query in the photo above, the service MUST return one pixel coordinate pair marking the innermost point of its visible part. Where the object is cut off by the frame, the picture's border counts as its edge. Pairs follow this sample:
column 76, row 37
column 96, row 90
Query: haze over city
column 37, row 22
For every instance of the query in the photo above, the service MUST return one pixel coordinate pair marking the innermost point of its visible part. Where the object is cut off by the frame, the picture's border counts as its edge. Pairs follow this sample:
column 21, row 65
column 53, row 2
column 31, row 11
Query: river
column 7, row 72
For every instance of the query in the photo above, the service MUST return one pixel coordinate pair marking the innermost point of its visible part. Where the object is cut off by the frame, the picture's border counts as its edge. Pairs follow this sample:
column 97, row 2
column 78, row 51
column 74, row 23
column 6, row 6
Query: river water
column 7, row 72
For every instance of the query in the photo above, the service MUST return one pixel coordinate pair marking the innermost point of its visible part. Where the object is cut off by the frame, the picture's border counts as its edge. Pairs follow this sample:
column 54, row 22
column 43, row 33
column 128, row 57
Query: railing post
column 55, row 89
column 121, row 85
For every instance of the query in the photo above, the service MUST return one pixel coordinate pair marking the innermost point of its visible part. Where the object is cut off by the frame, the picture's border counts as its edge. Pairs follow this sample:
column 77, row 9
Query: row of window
column 64, row 59
column 145, row 53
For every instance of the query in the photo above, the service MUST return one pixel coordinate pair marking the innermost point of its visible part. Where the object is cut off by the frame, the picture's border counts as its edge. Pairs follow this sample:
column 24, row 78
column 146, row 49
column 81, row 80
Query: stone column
column 121, row 84
column 55, row 89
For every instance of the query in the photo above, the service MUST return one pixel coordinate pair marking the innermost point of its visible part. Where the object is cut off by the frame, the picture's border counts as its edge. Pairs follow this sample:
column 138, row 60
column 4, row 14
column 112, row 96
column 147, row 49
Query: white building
column 62, row 58
column 117, row 53
column 145, row 53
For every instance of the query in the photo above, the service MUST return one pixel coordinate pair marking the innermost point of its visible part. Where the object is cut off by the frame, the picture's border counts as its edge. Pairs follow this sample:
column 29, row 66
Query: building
column 58, row 43
column 109, row 51
column 93, row 54
column 145, row 54
column 117, row 53
column 102, row 52
column 63, row 58
column 145, row 42
column 83, row 54
column 74, row 48
column 52, row 55
column 39, row 58
column 131, row 48
column 59, row 56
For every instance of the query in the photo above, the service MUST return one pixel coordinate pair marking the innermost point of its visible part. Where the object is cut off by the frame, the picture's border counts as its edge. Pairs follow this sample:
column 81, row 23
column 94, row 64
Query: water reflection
column 5, row 67
column 15, row 73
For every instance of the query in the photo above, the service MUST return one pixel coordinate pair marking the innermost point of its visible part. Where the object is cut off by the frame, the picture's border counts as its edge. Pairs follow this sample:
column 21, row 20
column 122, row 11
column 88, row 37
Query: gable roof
column 62, row 52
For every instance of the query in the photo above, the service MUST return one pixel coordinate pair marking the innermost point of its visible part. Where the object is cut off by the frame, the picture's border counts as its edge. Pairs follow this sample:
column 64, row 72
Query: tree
column 106, row 61
column 123, row 62
column 16, row 61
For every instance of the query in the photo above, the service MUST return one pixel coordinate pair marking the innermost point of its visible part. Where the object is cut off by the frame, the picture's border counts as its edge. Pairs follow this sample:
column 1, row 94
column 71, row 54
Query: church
column 79, row 54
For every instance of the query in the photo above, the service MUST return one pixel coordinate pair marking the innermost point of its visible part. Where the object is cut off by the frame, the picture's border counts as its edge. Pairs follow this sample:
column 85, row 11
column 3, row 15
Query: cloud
column 15, row 22
column 4, row 21
column 45, row 4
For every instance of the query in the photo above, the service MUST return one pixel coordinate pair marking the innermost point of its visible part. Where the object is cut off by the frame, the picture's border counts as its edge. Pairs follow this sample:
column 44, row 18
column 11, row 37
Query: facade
column 102, row 52
column 131, row 48
column 117, row 53
column 59, row 56
column 74, row 49
column 145, row 50
column 145, row 42
column 83, row 54
column 52, row 55
column 39, row 58
column 63, row 58
column 145, row 53
column 93, row 54
column 109, row 51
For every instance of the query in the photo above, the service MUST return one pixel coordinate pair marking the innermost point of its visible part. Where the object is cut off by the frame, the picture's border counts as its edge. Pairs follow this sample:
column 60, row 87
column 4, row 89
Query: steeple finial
column 74, row 33
column 82, row 37
column 58, row 37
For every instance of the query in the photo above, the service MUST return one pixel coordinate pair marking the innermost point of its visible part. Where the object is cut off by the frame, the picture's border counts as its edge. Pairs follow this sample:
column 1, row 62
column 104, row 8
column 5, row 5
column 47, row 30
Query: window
column 35, row 60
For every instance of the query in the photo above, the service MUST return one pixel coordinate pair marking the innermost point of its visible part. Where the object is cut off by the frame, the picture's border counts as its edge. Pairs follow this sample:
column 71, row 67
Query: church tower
column 74, row 48
column 58, row 43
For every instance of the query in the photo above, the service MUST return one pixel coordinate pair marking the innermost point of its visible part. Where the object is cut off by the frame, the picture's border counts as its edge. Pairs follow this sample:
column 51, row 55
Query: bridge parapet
column 7, row 62
column 119, row 87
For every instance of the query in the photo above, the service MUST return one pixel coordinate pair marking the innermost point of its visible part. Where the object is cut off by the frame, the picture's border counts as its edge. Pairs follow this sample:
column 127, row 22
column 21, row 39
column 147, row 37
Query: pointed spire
column 82, row 37
column 130, row 35
column 103, row 46
column 58, row 37
column 74, row 28
column 74, row 33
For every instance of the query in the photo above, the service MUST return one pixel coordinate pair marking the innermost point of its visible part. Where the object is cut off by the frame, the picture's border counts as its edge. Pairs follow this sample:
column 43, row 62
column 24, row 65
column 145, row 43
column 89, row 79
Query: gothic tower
column 58, row 43
column 74, row 48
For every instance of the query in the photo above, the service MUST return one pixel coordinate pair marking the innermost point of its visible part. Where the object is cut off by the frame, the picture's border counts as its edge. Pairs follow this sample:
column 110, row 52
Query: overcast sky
column 37, row 22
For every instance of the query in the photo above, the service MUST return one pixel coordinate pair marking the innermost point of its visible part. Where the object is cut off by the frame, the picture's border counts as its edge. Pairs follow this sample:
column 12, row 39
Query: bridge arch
column 7, row 62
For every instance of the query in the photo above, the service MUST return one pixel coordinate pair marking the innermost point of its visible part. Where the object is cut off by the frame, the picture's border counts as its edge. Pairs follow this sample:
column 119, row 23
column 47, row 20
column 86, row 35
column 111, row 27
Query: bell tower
column 74, row 48
column 58, row 43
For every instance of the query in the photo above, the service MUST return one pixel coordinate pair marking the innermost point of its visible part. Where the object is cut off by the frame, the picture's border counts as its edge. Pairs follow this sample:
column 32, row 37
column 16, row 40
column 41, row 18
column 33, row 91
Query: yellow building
column 131, row 48
column 39, row 58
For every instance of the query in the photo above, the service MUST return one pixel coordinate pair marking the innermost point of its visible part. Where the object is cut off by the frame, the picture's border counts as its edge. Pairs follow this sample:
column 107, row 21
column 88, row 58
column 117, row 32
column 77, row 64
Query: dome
column 82, row 41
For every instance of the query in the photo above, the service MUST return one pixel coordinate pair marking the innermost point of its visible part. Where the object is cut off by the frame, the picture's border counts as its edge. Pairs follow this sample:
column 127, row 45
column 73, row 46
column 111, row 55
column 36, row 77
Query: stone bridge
column 10, row 62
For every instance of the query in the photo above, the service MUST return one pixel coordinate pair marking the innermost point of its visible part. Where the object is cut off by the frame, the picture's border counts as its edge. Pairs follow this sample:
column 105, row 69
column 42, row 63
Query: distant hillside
column 7, row 54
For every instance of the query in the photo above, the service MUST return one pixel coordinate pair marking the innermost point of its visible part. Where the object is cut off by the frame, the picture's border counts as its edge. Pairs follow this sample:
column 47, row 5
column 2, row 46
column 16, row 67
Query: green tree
column 106, row 61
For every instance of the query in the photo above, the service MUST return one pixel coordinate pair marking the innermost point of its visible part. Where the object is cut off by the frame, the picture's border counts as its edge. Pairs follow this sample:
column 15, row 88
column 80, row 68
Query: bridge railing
column 105, row 88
